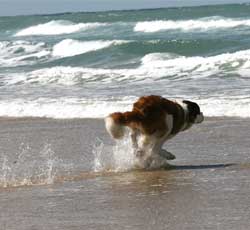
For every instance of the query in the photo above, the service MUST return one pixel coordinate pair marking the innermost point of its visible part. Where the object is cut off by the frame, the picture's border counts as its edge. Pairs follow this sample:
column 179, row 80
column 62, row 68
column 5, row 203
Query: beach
column 61, row 74
column 49, row 178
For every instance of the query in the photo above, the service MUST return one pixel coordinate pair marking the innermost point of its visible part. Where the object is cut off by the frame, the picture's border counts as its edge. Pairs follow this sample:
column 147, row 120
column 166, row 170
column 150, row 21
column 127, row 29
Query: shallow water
column 207, row 189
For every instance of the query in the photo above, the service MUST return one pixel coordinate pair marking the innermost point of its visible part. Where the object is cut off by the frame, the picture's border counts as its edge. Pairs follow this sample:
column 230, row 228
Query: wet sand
column 48, row 179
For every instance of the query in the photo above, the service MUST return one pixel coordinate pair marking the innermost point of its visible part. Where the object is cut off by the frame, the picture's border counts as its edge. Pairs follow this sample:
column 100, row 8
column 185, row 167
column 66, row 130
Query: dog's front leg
column 134, row 137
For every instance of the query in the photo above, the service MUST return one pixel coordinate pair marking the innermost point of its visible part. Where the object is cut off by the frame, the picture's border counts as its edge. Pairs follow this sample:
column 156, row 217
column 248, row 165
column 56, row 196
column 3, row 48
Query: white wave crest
column 57, row 27
column 187, row 25
column 70, row 47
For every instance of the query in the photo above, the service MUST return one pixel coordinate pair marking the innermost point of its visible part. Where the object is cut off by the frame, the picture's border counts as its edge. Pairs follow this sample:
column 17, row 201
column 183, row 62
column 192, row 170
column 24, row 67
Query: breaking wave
column 70, row 47
column 202, row 24
column 22, row 52
column 16, row 53
column 57, row 27
column 153, row 67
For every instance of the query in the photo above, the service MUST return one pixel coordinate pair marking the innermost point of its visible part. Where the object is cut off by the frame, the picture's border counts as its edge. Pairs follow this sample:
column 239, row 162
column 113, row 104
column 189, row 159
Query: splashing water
column 29, row 169
column 117, row 158
column 121, row 157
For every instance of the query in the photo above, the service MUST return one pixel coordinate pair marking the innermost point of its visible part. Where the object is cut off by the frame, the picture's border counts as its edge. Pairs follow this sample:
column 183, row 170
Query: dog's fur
column 152, row 121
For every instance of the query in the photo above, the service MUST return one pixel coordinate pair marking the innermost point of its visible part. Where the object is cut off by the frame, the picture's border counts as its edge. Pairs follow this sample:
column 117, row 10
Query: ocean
column 85, row 65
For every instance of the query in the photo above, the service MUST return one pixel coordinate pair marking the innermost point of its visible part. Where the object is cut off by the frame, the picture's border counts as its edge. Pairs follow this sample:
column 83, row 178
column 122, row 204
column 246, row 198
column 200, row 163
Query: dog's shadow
column 196, row 167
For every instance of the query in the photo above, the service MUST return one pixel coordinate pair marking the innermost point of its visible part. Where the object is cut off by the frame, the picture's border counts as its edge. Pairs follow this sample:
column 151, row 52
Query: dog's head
column 195, row 116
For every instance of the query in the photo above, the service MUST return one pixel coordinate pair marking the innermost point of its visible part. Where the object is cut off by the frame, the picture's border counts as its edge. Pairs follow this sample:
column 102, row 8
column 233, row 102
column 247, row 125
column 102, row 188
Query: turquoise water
column 90, row 64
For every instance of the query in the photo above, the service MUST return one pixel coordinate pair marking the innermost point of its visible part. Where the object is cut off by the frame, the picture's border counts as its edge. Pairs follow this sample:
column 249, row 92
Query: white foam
column 57, row 27
column 228, row 106
column 188, row 25
column 70, row 47
column 62, row 107
column 219, row 105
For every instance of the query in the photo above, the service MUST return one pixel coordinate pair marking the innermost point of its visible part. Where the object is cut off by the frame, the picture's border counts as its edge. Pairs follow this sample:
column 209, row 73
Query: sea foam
column 64, row 108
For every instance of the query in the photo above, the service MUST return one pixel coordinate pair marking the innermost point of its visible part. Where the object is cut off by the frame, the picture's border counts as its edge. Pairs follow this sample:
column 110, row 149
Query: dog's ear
column 195, row 115
column 192, row 107
column 187, row 102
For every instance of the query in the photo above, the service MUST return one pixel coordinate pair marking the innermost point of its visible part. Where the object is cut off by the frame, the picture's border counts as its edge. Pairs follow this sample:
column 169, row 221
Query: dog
column 152, row 121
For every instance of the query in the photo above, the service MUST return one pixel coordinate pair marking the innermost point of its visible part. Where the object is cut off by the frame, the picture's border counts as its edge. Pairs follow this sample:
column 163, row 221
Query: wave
column 22, row 52
column 153, row 67
column 197, row 66
column 70, row 47
column 64, row 108
column 57, row 27
column 16, row 53
column 202, row 24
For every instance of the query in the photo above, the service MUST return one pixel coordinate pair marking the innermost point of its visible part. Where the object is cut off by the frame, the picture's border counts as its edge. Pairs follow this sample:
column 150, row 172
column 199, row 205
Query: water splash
column 28, row 168
column 117, row 158
column 121, row 157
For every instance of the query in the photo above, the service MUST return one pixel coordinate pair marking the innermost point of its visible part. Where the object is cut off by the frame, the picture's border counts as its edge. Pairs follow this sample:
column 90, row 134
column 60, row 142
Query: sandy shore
column 209, row 188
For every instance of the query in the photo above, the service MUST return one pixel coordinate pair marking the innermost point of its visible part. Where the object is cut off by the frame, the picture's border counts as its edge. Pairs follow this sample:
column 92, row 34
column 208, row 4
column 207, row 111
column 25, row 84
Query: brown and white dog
column 152, row 121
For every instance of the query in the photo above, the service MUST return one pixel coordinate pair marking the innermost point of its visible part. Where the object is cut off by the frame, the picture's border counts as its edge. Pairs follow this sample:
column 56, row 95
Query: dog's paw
column 167, row 155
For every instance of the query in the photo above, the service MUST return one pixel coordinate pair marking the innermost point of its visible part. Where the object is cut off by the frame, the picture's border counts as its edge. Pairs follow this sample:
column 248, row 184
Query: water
column 80, row 65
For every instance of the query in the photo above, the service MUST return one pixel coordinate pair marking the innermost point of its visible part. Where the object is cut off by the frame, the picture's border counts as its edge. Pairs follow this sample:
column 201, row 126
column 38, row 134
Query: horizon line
column 125, row 10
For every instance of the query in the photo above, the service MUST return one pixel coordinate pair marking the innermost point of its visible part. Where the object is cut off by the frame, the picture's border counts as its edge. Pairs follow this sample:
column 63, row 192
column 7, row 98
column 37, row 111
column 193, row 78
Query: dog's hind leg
column 162, row 152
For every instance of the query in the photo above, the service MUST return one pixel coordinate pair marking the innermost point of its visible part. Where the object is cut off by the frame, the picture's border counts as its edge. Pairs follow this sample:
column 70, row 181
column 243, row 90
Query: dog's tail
column 115, row 123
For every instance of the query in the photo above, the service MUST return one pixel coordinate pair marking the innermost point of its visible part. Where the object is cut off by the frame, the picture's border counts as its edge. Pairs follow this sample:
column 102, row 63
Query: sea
column 87, row 65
